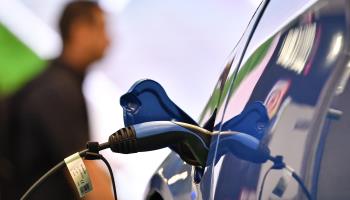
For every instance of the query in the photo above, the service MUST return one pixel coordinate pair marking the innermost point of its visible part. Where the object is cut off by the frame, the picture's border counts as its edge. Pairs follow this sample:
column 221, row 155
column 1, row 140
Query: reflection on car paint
column 290, row 85
column 247, row 78
column 296, row 48
column 335, row 47
column 343, row 80
column 253, row 121
column 275, row 96
column 281, row 186
column 229, row 73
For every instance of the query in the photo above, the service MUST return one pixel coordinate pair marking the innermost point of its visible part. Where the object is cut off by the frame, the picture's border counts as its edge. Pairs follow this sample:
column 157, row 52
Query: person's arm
column 101, row 182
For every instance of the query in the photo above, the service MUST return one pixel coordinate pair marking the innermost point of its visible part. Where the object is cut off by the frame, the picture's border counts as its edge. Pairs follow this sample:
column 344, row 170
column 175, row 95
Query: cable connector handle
column 123, row 141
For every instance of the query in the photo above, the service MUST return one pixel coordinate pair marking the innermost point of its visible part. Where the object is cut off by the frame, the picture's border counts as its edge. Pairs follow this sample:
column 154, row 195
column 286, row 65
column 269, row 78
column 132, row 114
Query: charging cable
column 91, row 153
column 190, row 142
column 278, row 164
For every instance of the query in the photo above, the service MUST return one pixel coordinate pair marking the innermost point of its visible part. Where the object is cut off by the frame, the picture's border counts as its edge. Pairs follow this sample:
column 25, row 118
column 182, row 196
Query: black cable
column 83, row 153
column 279, row 164
column 294, row 175
column 263, row 182
column 42, row 179
column 300, row 182
column 46, row 175
column 94, row 156
column 111, row 175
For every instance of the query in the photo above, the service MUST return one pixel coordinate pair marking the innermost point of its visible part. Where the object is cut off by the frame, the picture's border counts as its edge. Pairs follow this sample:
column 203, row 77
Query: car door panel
column 289, row 72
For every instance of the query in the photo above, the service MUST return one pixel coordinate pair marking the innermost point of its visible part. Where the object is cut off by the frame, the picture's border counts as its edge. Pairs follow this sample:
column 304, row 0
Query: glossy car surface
column 294, row 60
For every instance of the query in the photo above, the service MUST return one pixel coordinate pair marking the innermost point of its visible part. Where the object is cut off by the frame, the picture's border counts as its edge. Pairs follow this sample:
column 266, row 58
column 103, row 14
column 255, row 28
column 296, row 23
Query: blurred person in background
column 48, row 117
column 5, row 164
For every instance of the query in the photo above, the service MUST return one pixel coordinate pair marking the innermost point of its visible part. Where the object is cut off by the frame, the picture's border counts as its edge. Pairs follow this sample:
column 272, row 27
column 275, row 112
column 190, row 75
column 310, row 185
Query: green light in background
column 18, row 63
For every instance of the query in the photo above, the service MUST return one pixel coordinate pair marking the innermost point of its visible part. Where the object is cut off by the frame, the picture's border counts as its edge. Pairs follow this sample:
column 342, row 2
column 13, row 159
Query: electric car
column 286, row 85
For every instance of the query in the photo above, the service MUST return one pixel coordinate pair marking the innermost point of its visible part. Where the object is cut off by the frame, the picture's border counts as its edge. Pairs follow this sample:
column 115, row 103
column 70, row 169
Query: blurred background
column 181, row 44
